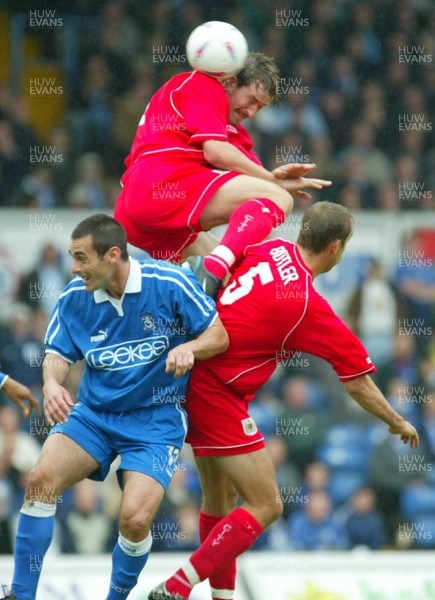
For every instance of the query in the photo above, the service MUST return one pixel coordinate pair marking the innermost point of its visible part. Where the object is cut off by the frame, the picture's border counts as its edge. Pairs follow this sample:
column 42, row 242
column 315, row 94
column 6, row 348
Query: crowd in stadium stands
column 357, row 91
column 346, row 81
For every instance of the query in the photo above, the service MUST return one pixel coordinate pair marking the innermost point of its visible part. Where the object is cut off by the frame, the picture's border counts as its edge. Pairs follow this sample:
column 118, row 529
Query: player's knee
column 134, row 525
column 277, row 508
column 41, row 487
column 273, row 508
column 283, row 200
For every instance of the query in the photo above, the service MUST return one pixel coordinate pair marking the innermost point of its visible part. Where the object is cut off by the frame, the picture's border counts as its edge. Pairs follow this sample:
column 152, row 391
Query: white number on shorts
column 240, row 288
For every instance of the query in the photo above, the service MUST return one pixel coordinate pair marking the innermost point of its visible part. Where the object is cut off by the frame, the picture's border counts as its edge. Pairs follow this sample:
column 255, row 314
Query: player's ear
column 114, row 254
column 230, row 83
column 335, row 246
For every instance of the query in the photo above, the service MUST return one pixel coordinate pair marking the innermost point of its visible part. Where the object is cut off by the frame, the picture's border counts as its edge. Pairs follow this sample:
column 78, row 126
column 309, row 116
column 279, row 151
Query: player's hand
column 407, row 432
column 293, row 170
column 57, row 403
column 19, row 393
column 179, row 360
column 297, row 185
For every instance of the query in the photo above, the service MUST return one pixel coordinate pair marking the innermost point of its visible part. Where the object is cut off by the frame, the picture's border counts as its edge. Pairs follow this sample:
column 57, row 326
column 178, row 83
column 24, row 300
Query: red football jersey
column 187, row 110
column 271, row 310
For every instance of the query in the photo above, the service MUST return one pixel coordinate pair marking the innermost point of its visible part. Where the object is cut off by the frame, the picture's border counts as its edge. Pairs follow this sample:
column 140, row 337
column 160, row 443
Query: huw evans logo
column 129, row 354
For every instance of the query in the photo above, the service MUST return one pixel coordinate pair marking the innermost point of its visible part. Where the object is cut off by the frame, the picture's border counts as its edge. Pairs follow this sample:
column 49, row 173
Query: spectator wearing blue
column 364, row 524
column 315, row 527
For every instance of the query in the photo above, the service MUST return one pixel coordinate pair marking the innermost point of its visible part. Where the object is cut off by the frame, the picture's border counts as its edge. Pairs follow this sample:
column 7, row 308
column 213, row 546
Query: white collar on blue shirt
column 133, row 285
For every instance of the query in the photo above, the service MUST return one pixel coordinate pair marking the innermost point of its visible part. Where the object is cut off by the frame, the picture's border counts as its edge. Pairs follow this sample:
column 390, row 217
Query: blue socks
column 128, row 560
column 35, row 531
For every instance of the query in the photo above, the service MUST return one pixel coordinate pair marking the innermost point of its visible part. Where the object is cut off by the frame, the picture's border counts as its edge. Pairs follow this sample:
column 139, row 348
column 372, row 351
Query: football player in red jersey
column 270, row 310
column 191, row 168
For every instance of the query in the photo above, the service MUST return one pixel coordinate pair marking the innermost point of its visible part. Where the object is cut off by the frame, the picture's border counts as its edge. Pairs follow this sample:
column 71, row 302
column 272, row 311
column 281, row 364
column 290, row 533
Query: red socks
column 222, row 582
column 249, row 224
column 229, row 538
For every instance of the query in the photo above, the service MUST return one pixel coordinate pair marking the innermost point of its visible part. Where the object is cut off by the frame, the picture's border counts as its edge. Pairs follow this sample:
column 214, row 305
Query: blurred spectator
column 415, row 279
column 18, row 455
column 403, row 364
column 88, row 191
column 22, row 350
column 9, row 280
column 376, row 166
column 61, row 143
column 364, row 522
column 301, row 425
column 13, row 164
column 316, row 527
column 38, row 190
column 88, row 526
column 41, row 287
column 317, row 476
column 393, row 466
column 373, row 314
column 92, row 122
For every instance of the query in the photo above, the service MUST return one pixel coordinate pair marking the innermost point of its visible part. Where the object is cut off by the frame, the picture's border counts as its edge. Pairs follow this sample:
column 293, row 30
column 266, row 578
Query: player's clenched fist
column 57, row 403
column 179, row 360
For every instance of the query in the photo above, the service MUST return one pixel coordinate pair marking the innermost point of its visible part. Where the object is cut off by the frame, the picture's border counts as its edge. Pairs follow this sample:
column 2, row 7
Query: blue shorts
column 148, row 439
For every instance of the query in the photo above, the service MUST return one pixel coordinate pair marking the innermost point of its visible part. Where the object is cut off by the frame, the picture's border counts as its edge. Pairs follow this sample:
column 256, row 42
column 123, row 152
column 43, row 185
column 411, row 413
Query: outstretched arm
column 223, row 155
column 369, row 396
column 19, row 394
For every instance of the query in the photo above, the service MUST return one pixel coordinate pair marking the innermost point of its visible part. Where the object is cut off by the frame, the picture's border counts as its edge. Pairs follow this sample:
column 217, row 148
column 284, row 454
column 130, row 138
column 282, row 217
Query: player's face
column 96, row 272
column 246, row 101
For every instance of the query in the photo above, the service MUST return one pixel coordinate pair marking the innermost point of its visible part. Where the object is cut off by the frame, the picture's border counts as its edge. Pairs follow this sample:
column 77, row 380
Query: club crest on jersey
column 148, row 321
column 249, row 426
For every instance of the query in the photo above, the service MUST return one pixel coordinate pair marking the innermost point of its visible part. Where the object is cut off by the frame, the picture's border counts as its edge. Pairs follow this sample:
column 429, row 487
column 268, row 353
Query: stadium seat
column 347, row 434
column 417, row 500
column 344, row 484
column 421, row 531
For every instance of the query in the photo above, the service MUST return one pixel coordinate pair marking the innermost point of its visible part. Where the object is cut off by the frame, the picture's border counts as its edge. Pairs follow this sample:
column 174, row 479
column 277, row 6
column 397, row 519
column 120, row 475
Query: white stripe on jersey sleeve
column 49, row 351
column 186, row 280
column 53, row 318
column 204, row 311
column 49, row 340
column 73, row 289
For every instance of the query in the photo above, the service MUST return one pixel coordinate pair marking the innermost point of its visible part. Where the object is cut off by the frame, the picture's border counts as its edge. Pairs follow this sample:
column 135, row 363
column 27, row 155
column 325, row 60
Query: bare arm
column 57, row 400
column 224, row 155
column 19, row 394
column 370, row 398
column 213, row 340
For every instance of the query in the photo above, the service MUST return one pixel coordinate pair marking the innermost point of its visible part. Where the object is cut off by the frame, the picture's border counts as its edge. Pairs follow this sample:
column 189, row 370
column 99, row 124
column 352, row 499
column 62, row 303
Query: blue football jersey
column 125, row 342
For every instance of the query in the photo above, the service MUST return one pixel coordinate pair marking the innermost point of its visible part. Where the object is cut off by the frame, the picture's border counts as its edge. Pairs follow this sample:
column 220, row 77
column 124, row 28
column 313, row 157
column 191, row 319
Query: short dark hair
column 261, row 70
column 323, row 223
column 105, row 233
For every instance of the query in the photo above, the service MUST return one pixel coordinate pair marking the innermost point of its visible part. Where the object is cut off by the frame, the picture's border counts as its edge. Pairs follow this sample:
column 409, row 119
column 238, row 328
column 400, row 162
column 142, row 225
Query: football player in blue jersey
column 19, row 394
column 139, row 326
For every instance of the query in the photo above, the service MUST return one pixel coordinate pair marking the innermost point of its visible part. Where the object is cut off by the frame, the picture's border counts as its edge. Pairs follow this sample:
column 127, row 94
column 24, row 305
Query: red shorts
column 219, row 422
column 161, row 203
